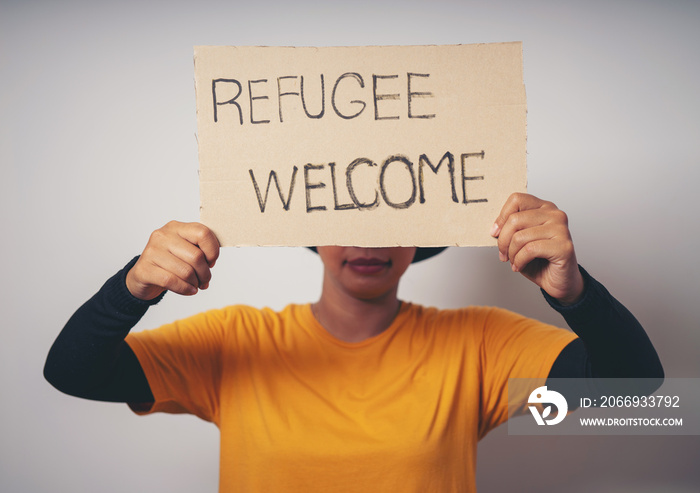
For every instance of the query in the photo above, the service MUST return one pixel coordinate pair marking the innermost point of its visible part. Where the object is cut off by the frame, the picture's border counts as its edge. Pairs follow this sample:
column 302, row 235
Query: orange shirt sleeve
column 182, row 362
column 512, row 346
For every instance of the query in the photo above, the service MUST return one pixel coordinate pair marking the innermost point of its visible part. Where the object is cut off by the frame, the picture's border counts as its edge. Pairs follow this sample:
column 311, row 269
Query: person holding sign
column 359, row 391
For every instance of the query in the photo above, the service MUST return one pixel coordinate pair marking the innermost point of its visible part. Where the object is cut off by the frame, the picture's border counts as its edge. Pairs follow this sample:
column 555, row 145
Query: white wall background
column 97, row 148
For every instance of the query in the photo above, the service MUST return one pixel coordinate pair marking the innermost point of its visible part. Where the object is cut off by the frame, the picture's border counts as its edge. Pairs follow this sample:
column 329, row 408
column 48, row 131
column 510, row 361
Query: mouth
column 368, row 266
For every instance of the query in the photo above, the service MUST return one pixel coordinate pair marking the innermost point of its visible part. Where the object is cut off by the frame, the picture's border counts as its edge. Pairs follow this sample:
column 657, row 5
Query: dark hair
column 422, row 253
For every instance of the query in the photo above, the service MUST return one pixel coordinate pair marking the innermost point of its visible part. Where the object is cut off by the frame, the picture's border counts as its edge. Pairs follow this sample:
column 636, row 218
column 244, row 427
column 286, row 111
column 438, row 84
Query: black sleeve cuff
column 589, row 288
column 614, row 339
column 121, row 300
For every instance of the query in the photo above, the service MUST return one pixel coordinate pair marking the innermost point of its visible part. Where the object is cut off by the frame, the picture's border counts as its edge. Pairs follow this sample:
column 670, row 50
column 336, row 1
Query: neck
column 351, row 319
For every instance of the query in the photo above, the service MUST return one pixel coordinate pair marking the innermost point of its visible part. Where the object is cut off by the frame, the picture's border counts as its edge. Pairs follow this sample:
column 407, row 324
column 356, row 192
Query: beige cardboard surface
column 365, row 146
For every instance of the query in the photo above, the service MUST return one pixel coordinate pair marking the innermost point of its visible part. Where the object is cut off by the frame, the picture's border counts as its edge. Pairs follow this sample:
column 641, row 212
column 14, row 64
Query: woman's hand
column 178, row 258
column 534, row 236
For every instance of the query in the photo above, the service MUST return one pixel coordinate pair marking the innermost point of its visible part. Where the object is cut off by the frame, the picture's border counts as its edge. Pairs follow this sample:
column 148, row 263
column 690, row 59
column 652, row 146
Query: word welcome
column 261, row 93
column 386, row 189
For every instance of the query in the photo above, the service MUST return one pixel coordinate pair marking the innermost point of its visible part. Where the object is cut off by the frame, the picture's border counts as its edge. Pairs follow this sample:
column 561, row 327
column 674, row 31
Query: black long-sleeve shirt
column 91, row 359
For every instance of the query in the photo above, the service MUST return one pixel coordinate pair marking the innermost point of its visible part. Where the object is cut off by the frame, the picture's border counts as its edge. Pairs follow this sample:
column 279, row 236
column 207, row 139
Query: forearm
column 90, row 358
column 614, row 344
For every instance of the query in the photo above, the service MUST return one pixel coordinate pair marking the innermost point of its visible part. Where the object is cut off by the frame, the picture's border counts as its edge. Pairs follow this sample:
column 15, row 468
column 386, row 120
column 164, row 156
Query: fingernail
column 494, row 229
column 501, row 256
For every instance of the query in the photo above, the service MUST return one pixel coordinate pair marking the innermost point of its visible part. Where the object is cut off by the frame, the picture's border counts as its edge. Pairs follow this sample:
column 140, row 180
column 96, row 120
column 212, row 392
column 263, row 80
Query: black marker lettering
column 359, row 79
column 254, row 98
column 309, row 186
column 469, row 178
column 409, row 167
column 280, row 93
column 230, row 101
column 323, row 99
column 338, row 207
column 412, row 94
column 351, row 188
column 382, row 97
column 273, row 176
column 450, row 168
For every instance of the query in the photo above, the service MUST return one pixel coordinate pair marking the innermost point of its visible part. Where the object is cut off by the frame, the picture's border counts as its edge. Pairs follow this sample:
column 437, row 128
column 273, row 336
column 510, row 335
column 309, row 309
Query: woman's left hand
column 534, row 236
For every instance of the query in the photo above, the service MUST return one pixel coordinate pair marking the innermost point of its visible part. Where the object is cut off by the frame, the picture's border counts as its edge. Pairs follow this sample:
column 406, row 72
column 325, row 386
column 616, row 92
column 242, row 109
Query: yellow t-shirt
column 299, row 410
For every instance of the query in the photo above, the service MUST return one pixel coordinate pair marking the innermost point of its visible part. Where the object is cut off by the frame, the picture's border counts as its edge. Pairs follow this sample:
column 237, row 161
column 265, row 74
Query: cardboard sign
column 363, row 146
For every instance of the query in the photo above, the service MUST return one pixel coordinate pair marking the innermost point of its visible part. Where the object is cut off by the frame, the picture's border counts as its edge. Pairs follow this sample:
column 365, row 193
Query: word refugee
column 260, row 94
column 383, row 188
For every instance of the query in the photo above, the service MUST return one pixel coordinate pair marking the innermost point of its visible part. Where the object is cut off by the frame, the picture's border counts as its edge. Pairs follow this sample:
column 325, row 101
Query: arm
column 533, row 235
column 611, row 344
column 90, row 358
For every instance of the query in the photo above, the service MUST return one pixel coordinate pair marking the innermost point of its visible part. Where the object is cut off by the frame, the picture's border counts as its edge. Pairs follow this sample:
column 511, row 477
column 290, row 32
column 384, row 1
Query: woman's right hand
column 178, row 258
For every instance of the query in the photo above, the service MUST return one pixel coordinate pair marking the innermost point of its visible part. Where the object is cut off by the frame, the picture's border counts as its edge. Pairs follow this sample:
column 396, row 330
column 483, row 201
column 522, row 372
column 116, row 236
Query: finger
column 174, row 260
column 516, row 202
column 186, row 261
column 522, row 237
column 175, row 248
column 553, row 250
column 517, row 223
column 169, row 280
column 204, row 238
column 564, row 283
column 194, row 244
column 146, row 280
